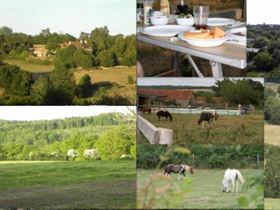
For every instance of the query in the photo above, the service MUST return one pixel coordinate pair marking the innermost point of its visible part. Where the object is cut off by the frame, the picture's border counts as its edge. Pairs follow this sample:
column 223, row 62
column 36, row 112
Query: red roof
column 181, row 94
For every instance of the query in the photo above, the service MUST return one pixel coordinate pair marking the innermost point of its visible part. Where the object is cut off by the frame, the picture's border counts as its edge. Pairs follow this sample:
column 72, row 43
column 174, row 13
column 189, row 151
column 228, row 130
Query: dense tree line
column 272, row 171
column 200, row 156
column 112, row 135
column 266, row 62
column 244, row 91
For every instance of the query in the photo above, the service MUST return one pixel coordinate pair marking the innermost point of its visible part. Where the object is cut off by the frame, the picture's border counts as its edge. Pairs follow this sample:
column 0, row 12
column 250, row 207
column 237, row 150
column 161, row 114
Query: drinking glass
column 201, row 14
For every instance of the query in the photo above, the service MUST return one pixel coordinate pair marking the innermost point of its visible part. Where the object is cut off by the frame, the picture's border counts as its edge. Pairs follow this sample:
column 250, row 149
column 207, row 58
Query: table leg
column 176, row 65
column 194, row 65
column 217, row 70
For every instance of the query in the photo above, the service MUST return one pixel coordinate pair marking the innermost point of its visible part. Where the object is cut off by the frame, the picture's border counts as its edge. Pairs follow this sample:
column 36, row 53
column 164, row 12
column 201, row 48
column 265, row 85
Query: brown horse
column 165, row 114
column 208, row 117
column 146, row 109
column 181, row 169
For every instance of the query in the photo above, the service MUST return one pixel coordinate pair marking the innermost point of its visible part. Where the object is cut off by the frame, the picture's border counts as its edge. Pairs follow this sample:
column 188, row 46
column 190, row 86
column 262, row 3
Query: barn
column 163, row 97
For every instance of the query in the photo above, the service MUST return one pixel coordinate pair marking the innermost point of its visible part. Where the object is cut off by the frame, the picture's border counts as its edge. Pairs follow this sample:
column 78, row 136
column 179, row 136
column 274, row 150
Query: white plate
column 242, row 30
column 167, row 30
column 220, row 21
column 204, row 42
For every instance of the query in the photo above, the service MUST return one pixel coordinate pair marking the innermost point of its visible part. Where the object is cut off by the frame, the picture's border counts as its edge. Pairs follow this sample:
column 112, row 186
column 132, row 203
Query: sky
column 69, row 16
column 27, row 113
column 184, row 81
column 263, row 11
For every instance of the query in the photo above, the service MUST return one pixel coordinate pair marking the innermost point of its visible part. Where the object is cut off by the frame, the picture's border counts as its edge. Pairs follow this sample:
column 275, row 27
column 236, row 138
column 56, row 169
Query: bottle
column 148, row 10
column 165, row 7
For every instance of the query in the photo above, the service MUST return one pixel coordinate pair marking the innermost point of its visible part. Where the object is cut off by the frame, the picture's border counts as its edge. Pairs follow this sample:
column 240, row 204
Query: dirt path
column 101, row 194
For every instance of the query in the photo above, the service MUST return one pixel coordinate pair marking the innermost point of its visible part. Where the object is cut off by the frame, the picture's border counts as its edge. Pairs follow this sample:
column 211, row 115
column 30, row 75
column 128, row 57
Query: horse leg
column 237, row 186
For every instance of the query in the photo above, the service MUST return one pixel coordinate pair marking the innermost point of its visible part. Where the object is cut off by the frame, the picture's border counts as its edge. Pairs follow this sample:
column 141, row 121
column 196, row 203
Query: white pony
column 71, row 154
column 231, row 179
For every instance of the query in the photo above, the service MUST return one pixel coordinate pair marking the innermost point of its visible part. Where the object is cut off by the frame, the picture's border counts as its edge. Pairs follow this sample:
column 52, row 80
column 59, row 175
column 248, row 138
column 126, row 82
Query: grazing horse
column 172, row 168
column 165, row 114
column 231, row 179
column 71, row 154
column 146, row 109
column 208, row 117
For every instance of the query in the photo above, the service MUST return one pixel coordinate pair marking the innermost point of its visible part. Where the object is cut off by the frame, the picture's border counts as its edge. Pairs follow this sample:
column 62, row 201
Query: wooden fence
column 154, row 134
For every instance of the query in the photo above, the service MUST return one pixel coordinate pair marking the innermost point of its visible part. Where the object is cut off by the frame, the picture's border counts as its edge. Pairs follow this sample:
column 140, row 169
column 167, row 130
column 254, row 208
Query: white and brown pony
column 208, row 117
column 232, row 178
column 177, row 169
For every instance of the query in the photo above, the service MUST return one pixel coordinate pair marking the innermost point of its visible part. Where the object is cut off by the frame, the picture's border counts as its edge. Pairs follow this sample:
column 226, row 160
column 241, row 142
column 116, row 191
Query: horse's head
column 170, row 117
column 224, row 185
column 189, row 169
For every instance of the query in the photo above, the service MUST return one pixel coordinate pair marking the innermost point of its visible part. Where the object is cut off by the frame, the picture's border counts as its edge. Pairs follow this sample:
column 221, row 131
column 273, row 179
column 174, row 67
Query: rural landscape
column 263, row 50
column 238, row 105
column 74, row 162
column 203, row 188
column 272, row 144
column 52, row 68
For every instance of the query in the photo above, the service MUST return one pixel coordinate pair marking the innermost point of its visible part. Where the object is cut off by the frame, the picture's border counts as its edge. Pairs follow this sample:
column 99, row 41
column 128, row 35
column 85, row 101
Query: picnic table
column 230, row 53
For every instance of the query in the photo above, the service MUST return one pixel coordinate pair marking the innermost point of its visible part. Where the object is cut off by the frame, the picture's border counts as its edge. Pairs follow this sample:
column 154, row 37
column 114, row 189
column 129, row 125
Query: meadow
column 62, row 184
column 246, row 129
column 272, row 134
column 201, row 190
column 30, row 67
column 271, row 203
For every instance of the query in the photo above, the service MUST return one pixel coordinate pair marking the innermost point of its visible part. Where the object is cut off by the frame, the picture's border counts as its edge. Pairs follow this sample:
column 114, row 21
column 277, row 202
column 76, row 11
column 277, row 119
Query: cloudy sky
column 56, row 112
column 183, row 81
column 263, row 11
column 68, row 16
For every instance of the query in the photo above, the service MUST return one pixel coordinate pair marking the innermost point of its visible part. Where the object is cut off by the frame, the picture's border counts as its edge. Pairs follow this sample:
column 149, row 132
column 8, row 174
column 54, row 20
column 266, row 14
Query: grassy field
column 30, row 67
column 198, row 191
column 272, row 134
column 247, row 129
column 271, row 203
column 61, row 184
column 113, row 80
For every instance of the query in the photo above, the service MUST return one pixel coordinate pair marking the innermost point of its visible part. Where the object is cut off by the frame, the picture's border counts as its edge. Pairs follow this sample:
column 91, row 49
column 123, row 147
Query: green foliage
column 240, row 92
column 272, row 170
column 107, row 58
column 263, row 61
column 200, row 156
column 85, row 86
column 116, row 142
column 111, row 134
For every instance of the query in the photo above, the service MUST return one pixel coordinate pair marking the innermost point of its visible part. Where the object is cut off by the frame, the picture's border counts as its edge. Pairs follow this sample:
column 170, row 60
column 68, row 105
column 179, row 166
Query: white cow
column 71, row 154
column 231, row 179
column 92, row 154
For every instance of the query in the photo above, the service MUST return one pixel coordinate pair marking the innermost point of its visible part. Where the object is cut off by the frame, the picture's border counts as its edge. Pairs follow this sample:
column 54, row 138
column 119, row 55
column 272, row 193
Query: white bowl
column 204, row 42
column 159, row 20
column 185, row 21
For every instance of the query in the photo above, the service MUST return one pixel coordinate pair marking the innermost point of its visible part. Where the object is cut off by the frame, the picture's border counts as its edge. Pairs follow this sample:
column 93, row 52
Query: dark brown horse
column 181, row 169
column 165, row 114
column 208, row 117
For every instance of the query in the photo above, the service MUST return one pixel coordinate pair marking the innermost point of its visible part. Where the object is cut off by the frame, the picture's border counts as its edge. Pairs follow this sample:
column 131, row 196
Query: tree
column 263, row 61
column 40, row 90
column 85, row 86
column 107, row 58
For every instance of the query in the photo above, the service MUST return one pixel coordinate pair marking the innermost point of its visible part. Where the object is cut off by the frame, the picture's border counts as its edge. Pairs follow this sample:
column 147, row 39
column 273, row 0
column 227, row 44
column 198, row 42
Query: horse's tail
column 239, row 177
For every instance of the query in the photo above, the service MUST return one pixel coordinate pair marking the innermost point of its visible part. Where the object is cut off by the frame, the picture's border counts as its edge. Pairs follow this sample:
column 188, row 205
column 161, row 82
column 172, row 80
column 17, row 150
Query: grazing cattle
column 71, row 154
column 165, row 114
column 208, row 117
column 91, row 154
column 181, row 169
column 231, row 179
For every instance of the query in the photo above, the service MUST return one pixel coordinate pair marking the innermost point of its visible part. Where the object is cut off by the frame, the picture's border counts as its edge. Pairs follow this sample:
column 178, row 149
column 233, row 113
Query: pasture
column 201, row 190
column 246, row 129
column 67, row 184
column 272, row 134
column 271, row 203
column 30, row 67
